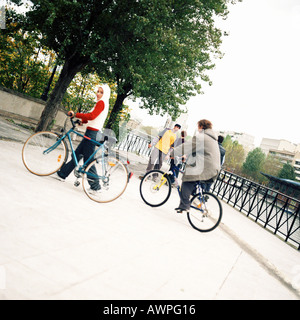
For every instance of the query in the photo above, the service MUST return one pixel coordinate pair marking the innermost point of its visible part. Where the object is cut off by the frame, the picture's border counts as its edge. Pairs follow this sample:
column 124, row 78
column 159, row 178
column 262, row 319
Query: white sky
column 256, row 86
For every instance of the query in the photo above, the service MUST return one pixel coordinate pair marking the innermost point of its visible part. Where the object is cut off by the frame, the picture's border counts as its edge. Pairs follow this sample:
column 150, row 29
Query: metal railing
column 271, row 209
column 136, row 144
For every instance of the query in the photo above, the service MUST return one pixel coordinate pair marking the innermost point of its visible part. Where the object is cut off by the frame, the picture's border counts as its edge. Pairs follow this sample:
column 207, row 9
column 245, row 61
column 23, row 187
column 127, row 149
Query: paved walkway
column 55, row 243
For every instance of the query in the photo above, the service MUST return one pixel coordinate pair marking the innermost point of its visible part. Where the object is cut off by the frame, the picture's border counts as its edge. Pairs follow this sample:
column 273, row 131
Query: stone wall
column 26, row 109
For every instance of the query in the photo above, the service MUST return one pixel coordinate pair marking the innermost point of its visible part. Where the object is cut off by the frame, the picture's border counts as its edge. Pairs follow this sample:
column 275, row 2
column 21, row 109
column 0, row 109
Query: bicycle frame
column 198, row 187
column 74, row 157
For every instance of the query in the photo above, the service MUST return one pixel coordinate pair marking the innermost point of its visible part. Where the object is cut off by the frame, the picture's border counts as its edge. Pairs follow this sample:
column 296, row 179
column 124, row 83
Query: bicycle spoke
column 42, row 155
column 205, row 213
column 105, row 179
column 155, row 188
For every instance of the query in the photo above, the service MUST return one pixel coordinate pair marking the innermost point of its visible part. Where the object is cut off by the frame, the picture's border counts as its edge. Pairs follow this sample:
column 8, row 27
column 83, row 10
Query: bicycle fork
column 201, row 206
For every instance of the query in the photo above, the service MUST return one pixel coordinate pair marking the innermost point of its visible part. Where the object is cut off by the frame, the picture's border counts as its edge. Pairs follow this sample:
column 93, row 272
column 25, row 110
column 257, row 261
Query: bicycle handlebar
column 74, row 123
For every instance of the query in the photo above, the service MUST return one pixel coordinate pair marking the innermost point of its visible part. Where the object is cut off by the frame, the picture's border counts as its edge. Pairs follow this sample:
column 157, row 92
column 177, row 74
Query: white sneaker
column 95, row 192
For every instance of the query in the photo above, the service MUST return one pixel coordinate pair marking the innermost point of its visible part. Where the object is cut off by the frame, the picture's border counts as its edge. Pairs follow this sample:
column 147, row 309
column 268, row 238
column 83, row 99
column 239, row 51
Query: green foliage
column 287, row 172
column 161, row 49
column 22, row 59
column 235, row 155
column 80, row 96
column 121, row 118
column 157, row 50
column 270, row 166
column 254, row 163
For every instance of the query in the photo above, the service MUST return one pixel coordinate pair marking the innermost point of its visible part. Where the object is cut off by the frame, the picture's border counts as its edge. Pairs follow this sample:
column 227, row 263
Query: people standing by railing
column 162, row 145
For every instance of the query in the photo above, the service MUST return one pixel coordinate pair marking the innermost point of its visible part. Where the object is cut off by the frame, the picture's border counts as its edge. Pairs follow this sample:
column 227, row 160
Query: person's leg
column 67, row 168
column 161, row 158
column 205, row 185
column 88, row 149
column 186, row 191
column 152, row 160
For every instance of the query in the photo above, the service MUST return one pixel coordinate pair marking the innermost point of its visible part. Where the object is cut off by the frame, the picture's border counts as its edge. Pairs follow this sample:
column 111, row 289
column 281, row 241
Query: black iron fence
column 136, row 144
column 271, row 209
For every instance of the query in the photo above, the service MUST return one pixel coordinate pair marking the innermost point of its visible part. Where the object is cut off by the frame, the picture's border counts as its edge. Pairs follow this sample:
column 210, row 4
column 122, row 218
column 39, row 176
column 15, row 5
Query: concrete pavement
column 55, row 243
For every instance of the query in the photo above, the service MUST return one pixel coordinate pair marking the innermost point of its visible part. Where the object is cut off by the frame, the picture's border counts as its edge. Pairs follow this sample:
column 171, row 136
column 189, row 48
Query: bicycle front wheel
column 205, row 212
column 105, row 179
column 43, row 154
column 155, row 188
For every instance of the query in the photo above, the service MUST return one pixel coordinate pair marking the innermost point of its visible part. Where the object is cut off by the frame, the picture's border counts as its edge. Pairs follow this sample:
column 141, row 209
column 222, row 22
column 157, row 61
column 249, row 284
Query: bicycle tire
column 214, row 211
column 38, row 162
column 149, row 200
column 115, row 173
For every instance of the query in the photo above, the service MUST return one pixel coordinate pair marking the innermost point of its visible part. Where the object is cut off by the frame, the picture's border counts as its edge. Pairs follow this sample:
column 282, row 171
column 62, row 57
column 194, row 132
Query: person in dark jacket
column 202, row 161
column 222, row 150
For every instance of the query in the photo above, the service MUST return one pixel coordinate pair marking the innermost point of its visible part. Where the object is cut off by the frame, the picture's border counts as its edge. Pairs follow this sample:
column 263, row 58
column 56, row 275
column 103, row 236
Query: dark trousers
column 84, row 150
column 187, row 189
column 156, row 160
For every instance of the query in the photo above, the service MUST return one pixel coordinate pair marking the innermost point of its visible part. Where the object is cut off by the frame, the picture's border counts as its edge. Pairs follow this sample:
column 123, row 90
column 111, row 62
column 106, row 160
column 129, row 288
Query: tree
column 235, row 154
column 271, row 166
column 253, row 164
column 80, row 95
column 287, row 172
column 21, row 66
column 154, row 49
column 164, row 48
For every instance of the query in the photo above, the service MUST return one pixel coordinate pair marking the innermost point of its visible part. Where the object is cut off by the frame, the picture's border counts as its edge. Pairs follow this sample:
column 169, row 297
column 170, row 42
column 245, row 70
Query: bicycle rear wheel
column 42, row 154
column 205, row 212
column 105, row 179
column 155, row 188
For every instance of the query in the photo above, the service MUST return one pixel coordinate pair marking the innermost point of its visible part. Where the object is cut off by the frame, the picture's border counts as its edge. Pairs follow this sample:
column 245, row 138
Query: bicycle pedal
column 76, row 183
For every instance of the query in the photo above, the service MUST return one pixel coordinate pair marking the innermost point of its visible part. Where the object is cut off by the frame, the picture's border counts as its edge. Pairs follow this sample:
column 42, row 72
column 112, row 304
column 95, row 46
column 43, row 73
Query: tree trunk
column 117, row 108
column 46, row 91
column 70, row 69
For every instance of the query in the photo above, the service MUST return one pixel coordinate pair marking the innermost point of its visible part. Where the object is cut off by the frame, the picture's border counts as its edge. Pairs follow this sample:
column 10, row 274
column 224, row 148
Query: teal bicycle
column 45, row 152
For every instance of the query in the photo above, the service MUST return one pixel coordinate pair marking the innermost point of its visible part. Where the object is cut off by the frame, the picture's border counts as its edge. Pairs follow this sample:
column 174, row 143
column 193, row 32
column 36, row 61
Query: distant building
column 246, row 140
column 274, row 144
column 284, row 151
column 296, row 165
